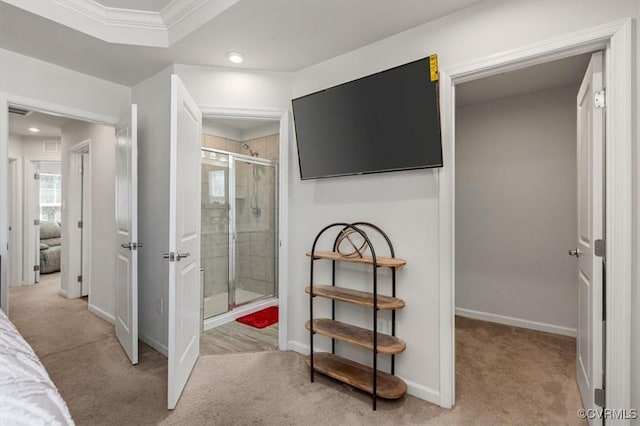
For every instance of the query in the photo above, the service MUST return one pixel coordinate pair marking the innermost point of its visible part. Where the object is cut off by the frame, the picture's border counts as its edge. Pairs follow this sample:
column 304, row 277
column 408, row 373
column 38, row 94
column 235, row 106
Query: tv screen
column 384, row 122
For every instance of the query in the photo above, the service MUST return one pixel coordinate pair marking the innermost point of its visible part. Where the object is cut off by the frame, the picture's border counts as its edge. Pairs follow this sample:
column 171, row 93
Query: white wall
column 230, row 88
column 28, row 81
column 516, row 210
column 102, row 226
column 406, row 204
column 153, row 97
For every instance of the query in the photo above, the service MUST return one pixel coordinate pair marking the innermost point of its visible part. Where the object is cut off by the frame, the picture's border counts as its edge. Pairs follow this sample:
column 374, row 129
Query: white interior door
column 127, row 244
column 86, row 225
column 32, row 256
column 590, row 139
column 184, row 239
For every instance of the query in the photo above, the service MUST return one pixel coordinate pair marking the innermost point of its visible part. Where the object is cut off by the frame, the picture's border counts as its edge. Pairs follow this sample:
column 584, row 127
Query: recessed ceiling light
column 235, row 57
column 34, row 129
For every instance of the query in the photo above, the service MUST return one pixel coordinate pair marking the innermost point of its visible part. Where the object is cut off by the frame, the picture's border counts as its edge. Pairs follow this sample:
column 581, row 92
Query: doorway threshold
column 228, row 317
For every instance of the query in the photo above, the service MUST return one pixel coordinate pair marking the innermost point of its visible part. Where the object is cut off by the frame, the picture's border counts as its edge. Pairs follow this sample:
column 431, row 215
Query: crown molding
column 129, row 26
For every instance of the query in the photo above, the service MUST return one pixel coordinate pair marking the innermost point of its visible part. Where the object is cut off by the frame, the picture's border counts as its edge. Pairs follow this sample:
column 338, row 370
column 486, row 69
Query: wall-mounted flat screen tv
column 384, row 122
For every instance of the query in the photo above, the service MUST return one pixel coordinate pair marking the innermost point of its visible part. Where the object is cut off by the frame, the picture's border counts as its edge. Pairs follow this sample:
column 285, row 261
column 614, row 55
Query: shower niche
column 239, row 223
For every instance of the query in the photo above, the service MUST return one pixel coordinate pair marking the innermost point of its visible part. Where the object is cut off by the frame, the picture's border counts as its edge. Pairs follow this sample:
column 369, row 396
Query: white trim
column 82, row 146
column 128, row 26
column 231, row 316
column 7, row 99
column 155, row 344
column 413, row 388
column 102, row 314
column 619, row 202
column 616, row 38
column 62, row 292
column 283, row 202
column 517, row 322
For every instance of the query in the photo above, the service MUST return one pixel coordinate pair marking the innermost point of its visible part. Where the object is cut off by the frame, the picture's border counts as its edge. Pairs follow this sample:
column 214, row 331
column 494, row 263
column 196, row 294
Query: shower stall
column 239, row 231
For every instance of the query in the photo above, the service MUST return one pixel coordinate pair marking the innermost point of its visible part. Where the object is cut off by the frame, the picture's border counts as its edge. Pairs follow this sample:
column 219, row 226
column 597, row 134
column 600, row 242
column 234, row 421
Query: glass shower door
column 215, row 241
column 254, row 212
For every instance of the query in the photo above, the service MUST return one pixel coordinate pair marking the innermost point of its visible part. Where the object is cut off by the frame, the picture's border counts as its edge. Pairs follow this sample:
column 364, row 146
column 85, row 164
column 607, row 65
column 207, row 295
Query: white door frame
column 7, row 99
column 76, row 194
column 15, row 176
column 616, row 40
column 283, row 203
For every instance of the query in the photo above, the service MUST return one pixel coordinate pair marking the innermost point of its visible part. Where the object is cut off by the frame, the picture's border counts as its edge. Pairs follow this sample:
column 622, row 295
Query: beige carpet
column 505, row 376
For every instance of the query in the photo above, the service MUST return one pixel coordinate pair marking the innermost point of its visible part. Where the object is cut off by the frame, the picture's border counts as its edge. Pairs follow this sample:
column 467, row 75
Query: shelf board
column 358, row 336
column 356, row 297
column 358, row 375
column 388, row 262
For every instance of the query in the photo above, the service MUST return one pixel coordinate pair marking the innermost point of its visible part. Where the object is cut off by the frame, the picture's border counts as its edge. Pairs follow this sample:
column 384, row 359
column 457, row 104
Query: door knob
column 131, row 246
column 180, row 256
column 575, row 252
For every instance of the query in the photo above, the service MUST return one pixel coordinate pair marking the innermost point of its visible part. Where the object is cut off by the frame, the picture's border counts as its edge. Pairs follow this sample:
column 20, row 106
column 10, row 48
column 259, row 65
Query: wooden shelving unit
column 365, row 378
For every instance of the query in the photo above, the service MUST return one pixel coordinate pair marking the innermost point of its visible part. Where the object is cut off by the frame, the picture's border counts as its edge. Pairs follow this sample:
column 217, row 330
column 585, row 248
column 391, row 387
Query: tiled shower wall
column 267, row 146
column 255, row 243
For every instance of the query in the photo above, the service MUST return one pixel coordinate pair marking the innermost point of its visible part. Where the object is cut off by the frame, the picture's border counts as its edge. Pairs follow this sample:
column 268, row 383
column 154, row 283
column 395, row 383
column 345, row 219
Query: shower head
column 252, row 152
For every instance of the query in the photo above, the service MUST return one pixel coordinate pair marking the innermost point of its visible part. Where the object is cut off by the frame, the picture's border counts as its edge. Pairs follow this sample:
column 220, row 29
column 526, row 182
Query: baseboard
column 162, row 348
column 415, row 389
column 102, row 314
column 517, row 322
column 422, row 392
column 298, row 347
column 62, row 292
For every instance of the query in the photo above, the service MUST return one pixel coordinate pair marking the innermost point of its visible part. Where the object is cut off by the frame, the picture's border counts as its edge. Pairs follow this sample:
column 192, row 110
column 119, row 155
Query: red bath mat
column 261, row 319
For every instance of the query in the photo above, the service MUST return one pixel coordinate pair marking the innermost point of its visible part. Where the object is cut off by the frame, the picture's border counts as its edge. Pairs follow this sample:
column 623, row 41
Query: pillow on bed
column 43, row 246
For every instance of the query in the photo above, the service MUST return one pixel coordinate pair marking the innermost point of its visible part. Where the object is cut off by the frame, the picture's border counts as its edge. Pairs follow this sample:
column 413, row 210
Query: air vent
column 20, row 111
column 51, row 146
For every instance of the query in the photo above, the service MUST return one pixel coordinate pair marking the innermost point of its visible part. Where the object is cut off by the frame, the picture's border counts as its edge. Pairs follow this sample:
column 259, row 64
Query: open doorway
column 529, row 187
column 35, row 188
column 51, row 240
column 239, row 234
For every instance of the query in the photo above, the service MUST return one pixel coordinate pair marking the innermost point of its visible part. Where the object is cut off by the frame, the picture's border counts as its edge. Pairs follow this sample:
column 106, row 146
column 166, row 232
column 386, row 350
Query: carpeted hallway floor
column 505, row 376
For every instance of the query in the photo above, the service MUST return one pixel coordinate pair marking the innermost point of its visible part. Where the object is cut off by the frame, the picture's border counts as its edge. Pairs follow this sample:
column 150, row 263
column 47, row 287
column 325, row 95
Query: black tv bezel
column 399, row 169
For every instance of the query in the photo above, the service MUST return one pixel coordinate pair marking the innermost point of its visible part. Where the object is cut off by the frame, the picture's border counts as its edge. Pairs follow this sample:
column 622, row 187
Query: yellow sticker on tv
column 433, row 67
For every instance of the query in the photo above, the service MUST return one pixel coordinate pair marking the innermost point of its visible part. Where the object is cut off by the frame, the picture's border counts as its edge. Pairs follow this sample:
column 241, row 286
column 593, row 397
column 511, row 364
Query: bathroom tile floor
column 235, row 337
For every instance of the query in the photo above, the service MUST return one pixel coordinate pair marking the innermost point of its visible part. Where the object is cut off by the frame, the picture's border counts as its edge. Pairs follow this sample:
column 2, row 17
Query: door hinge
column 171, row 256
column 80, row 224
column 36, row 268
column 599, row 248
column 599, row 99
column 598, row 397
column 36, row 222
column 36, row 176
column 79, row 278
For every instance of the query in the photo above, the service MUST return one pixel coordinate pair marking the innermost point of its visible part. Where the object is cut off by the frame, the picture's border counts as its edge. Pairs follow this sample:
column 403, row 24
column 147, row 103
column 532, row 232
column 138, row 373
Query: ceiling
column 50, row 125
column 547, row 76
column 275, row 35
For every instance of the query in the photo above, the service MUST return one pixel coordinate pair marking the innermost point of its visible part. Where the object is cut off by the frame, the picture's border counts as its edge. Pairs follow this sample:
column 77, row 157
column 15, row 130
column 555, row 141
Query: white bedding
column 27, row 394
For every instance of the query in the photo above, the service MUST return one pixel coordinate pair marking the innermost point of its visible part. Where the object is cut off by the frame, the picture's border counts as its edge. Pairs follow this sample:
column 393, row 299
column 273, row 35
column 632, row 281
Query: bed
column 27, row 394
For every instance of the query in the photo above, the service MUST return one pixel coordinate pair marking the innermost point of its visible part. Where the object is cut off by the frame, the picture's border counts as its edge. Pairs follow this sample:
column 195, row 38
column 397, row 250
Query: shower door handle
column 180, row 256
